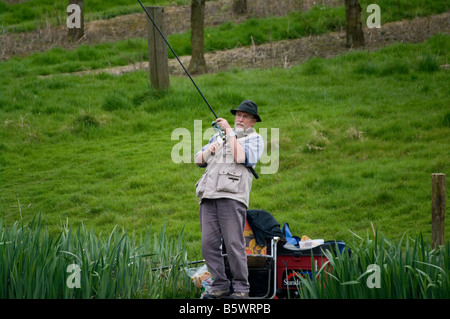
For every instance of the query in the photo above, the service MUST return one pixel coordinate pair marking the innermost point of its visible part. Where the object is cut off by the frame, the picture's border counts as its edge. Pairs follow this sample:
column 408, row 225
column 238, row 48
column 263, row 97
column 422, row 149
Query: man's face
column 243, row 121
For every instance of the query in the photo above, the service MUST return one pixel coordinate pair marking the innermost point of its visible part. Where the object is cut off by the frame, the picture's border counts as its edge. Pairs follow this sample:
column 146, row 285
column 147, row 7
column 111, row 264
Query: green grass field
column 318, row 20
column 34, row 14
column 360, row 136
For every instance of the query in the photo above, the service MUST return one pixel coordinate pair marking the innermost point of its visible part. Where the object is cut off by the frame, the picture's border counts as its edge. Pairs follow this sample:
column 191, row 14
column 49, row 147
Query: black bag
column 264, row 226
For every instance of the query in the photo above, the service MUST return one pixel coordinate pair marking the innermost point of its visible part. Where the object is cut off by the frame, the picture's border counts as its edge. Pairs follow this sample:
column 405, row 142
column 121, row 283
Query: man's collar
column 245, row 133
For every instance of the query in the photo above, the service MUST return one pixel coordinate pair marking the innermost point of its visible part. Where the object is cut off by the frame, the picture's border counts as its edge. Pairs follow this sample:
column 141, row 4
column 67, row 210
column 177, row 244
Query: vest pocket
column 228, row 181
column 200, row 185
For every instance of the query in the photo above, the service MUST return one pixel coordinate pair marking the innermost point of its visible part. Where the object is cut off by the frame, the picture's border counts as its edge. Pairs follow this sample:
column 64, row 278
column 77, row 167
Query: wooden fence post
column 437, row 209
column 157, row 50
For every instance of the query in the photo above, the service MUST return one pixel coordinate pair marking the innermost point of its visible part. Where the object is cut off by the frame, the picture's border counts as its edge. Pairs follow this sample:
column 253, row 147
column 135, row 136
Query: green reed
column 381, row 269
column 35, row 264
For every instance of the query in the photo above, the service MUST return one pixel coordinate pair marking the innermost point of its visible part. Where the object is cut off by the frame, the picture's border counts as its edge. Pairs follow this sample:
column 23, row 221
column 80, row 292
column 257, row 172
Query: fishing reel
column 218, row 129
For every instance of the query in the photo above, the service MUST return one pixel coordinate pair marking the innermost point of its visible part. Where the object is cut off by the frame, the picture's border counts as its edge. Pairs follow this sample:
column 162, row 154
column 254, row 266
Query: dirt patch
column 276, row 54
column 287, row 53
column 284, row 54
column 135, row 25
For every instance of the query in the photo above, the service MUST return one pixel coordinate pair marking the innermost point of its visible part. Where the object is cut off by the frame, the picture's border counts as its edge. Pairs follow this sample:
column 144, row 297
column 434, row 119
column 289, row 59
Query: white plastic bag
column 308, row 244
column 201, row 277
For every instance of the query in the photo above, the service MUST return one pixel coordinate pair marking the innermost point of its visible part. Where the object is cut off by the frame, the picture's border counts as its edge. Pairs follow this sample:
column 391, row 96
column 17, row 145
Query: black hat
column 249, row 107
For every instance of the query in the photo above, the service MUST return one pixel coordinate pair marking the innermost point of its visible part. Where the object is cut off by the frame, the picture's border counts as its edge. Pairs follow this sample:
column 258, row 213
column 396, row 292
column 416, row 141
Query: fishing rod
column 189, row 263
column 176, row 56
column 214, row 124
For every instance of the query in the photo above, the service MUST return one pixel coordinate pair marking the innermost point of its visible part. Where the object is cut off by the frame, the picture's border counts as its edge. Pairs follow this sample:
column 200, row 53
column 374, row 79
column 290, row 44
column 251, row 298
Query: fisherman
column 223, row 192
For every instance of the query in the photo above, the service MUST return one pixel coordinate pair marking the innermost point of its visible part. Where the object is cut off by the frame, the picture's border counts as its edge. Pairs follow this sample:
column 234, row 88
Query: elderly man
column 223, row 192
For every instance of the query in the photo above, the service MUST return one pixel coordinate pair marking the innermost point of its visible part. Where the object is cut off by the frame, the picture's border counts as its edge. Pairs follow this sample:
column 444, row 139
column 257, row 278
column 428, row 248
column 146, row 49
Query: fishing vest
column 223, row 178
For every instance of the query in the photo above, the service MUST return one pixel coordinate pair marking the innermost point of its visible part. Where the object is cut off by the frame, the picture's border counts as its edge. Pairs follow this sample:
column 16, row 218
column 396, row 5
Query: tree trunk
column 76, row 32
column 355, row 35
column 240, row 6
column 197, row 63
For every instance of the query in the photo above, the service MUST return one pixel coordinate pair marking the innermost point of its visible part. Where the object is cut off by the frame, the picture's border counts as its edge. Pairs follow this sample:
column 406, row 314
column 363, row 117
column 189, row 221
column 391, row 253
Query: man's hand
column 223, row 123
column 237, row 151
column 202, row 157
column 213, row 147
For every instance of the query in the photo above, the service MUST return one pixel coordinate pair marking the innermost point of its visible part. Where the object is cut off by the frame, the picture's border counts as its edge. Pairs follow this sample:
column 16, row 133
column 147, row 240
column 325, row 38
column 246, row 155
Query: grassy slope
column 318, row 20
column 360, row 136
column 33, row 14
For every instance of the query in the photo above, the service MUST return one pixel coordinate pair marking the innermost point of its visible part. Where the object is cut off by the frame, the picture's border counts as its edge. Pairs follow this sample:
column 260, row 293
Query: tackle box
column 293, row 261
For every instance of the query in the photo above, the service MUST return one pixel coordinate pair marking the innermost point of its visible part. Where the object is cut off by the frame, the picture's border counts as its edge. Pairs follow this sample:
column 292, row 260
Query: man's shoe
column 216, row 294
column 239, row 295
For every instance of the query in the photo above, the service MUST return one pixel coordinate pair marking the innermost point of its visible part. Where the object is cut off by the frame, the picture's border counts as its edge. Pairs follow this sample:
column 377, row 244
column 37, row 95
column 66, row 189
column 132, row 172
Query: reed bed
column 381, row 269
column 35, row 264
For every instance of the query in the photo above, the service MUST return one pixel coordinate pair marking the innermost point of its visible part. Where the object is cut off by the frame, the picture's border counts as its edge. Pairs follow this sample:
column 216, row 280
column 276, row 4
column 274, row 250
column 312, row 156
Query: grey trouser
column 224, row 218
